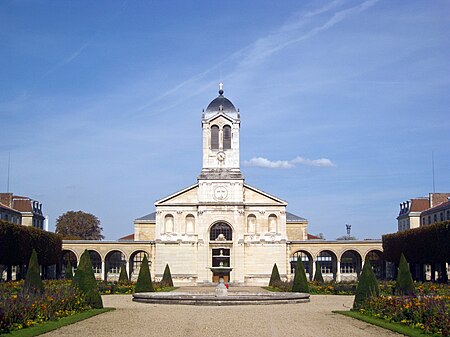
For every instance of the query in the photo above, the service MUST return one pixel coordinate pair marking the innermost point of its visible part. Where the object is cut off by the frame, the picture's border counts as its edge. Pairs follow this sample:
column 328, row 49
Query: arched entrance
column 378, row 264
column 307, row 260
column 350, row 265
column 327, row 262
column 96, row 261
column 221, row 244
column 113, row 261
column 136, row 259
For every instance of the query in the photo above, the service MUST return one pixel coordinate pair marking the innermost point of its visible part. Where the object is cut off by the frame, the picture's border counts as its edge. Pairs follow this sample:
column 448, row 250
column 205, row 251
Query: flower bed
column 19, row 309
column 431, row 313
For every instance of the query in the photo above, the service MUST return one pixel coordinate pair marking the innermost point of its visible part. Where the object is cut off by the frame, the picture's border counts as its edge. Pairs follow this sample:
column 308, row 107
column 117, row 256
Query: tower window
column 214, row 137
column 226, row 137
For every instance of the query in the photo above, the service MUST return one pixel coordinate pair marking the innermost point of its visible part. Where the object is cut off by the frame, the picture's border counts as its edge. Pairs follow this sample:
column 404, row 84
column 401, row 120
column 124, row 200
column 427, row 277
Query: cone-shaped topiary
column 275, row 277
column 123, row 277
column 367, row 285
column 167, row 278
column 33, row 282
column 300, row 282
column 68, row 275
column 144, row 281
column 318, row 277
column 84, row 280
column 405, row 283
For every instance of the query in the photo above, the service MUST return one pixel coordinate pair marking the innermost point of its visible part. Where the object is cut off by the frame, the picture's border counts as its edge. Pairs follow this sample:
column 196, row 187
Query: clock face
column 221, row 156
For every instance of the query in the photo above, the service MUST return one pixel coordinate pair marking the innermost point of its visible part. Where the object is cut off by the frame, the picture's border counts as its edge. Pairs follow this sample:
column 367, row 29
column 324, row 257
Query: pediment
column 188, row 195
column 221, row 117
column 255, row 196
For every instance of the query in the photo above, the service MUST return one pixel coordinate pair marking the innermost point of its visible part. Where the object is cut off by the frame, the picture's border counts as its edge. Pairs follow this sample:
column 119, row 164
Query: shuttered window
column 214, row 137
column 226, row 137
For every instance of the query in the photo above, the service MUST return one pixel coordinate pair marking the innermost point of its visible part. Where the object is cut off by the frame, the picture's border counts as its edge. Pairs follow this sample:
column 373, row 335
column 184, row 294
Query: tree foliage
column 275, row 276
column 300, row 284
column 68, row 274
column 84, row 280
column 427, row 244
column 79, row 225
column 167, row 278
column 405, row 283
column 367, row 285
column 318, row 277
column 33, row 282
column 144, row 281
column 17, row 243
column 123, row 276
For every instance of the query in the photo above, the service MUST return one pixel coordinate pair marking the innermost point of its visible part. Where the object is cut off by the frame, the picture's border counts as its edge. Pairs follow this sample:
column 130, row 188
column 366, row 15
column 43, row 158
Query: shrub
column 123, row 277
column 68, row 275
column 167, row 278
column 144, row 281
column 405, row 283
column 84, row 280
column 318, row 277
column 275, row 276
column 33, row 282
column 300, row 284
column 367, row 285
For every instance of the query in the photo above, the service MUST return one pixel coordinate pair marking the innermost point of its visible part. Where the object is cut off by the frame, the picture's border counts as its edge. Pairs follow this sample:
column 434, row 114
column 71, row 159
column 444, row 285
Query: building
column 415, row 212
column 30, row 210
column 10, row 214
column 438, row 213
column 222, row 227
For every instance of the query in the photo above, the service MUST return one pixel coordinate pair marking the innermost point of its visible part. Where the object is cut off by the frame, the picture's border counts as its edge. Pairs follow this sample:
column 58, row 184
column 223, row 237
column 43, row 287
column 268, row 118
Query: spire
column 220, row 88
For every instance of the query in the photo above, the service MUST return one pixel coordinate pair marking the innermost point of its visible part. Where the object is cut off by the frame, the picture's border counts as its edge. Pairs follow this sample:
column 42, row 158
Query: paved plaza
column 312, row 319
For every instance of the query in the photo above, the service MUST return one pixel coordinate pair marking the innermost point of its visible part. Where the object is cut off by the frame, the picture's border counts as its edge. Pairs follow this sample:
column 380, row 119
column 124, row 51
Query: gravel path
column 306, row 319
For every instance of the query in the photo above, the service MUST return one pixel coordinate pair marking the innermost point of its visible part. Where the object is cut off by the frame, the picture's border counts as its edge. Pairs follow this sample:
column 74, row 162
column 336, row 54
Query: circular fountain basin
column 233, row 298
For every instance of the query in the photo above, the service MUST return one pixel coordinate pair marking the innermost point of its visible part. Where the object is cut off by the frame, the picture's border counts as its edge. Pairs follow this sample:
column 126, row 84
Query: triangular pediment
column 219, row 116
column 188, row 195
column 255, row 196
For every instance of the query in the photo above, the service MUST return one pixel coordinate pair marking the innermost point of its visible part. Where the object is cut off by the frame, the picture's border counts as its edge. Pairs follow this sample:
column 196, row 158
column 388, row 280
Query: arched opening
column 221, row 231
column 307, row 260
column 96, row 261
column 327, row 262
column 272, row 228
column 190, row 224
column 68, row 255
column 378, row 264
column 113, row 261
column 251, row 224
column 350, row 265
column 168, row 223
column 226, row 137
column 214, row 137
column 136, row 261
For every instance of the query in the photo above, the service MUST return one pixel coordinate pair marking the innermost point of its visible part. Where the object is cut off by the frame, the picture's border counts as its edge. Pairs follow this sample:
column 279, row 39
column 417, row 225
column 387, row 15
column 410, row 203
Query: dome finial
column 220, row 88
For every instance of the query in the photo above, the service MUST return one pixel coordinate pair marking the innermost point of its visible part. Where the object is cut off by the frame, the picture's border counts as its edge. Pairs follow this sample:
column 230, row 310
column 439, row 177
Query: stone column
column 313, row 269
column 103, row 270
column 338, row 271
column 127, row 267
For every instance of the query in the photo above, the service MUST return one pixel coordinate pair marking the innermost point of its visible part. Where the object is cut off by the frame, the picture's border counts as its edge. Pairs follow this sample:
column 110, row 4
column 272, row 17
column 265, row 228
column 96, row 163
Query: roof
column 221, row 103
column 313, row 237
column 290, row 217
column 129, row 237
column 148, row 217
column 9, row 208
column 439, row 207
column 419, row 205
column 22, row 205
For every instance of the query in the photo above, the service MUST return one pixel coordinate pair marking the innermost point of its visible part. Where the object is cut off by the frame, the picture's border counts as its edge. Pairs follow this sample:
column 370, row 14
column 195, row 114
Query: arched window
column 251, row 224
column 221, row 231
column 226, row 137
column 168, row 223
column 272, row 223
column 190, row 224
column 214, row 137
column 96, row 261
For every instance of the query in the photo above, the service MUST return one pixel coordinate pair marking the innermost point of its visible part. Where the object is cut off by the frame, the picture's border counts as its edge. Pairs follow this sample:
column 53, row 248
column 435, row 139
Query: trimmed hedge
column 84, row 280
column 367, row 285
column 275, row 276
column 17, row 242
column 427, row 244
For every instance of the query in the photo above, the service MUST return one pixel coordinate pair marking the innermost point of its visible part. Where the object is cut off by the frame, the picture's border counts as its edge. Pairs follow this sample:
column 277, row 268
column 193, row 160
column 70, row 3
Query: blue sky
column 342, row 103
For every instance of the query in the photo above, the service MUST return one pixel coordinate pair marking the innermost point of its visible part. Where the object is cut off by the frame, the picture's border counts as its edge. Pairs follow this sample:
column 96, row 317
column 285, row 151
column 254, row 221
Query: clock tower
column 221, row 179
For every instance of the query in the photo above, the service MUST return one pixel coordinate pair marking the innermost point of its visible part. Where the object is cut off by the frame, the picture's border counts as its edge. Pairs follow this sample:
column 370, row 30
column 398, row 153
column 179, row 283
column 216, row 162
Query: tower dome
column 220, row 104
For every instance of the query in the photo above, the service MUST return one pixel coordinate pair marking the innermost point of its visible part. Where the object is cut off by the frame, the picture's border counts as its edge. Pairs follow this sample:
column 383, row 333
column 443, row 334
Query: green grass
column 53, row 325
column 396, row 327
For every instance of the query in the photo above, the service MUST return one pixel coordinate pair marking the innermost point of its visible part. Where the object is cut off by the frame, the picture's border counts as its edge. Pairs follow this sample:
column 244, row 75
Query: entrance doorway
column 221, row 264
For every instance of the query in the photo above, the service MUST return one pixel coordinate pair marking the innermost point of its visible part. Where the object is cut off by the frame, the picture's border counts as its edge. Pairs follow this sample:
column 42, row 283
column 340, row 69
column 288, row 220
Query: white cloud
column 287, row 164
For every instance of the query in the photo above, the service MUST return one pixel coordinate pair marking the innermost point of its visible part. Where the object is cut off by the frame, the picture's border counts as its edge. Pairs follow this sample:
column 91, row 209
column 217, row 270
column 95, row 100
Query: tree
column 318, row 277
column 167, row 278
column 367, row 285
column 404, row 284
column 144, row 281
column 68, row 274
column 300, row 284
column 79, row 225
column 275, row 277
column 346, row 237
column 123, row 277
column 84, row 280
column 33, row 282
